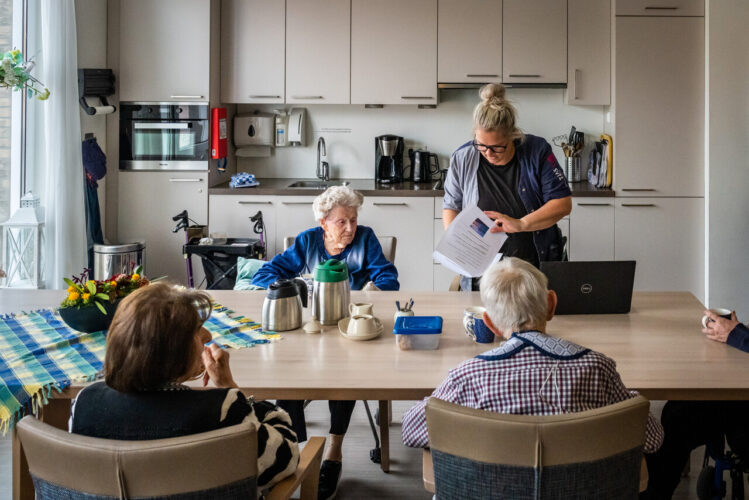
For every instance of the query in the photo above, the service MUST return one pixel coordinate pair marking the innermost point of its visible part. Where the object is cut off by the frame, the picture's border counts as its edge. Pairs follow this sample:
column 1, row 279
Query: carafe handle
column 301, row 286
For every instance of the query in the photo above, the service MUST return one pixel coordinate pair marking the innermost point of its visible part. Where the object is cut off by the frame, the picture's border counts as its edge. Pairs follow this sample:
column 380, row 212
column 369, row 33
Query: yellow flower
column 113, row 283
column 136, row 277
column 73, row 296
column 86, row 296
column 71, row 289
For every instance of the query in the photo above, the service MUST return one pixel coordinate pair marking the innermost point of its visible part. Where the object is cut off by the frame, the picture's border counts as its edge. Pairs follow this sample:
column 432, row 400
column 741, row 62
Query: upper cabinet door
column 589, row 52
column 318, row 51
column 660, row 8
column 164, row 50
column 394, row 52
column 469, row 41
column 660, row 106
column 534, row 41
column 253, row 38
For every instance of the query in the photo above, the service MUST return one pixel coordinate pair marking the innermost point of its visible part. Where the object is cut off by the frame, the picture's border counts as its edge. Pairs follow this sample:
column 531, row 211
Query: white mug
column 720, row 311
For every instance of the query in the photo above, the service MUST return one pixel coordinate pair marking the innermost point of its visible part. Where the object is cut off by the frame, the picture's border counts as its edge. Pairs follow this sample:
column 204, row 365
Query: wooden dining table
column 658, row 348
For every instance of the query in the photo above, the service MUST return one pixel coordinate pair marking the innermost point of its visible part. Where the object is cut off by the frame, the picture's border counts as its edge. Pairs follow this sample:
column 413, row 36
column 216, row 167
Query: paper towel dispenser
column 255, row 129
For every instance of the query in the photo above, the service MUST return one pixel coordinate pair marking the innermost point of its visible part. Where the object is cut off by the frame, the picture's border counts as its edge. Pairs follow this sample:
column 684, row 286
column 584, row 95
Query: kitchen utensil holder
column 573, row 169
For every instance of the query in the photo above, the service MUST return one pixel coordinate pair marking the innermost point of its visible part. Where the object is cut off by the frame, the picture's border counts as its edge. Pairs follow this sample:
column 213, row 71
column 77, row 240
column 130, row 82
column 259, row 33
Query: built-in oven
column 164, row 136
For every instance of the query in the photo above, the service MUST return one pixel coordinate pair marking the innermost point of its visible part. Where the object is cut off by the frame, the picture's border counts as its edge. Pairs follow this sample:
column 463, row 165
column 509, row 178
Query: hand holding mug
column 718, row 323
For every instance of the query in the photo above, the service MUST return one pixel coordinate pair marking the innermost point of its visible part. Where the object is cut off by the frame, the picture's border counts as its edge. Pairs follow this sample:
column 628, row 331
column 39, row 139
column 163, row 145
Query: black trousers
column 688, row 425
column 340, row 416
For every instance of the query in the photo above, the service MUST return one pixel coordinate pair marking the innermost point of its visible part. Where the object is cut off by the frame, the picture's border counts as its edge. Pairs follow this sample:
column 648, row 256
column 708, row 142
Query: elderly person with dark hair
column 155, row 344
column 338, row 237
column 532, row 373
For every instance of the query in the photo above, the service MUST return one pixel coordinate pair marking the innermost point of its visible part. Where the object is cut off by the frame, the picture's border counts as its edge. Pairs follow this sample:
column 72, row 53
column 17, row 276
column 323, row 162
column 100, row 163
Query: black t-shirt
column 498, row 191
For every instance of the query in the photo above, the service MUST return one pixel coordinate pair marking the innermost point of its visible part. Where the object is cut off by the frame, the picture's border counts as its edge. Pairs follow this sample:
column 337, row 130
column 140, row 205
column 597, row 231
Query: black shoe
column 330, row 472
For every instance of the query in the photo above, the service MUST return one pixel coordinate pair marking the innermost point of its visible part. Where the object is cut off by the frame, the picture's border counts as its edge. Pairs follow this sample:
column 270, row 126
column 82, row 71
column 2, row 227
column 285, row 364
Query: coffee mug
column 473, row 323
column 720, row 311
column 360, row 308
column 361, row 325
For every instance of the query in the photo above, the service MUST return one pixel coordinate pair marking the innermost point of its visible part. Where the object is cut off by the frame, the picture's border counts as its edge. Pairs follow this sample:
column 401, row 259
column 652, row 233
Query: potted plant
column 90, row 304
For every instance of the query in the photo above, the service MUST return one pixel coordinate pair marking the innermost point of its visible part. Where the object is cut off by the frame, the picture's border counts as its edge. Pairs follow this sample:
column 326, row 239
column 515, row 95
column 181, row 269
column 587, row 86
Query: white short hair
column 514, row 293
column 335, row 196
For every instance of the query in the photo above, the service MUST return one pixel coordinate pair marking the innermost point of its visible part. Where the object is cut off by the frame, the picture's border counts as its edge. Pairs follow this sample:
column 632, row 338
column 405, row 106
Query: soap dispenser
column 296, row 131
column 282, row 128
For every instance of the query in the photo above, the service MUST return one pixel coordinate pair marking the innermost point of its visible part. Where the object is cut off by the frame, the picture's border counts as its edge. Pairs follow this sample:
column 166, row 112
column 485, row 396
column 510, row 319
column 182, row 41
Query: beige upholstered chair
column 388, row 244
column 215, row 464
column 590, row 454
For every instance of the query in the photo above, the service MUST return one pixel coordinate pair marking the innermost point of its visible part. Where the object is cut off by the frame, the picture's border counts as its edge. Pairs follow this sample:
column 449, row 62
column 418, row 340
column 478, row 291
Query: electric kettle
column 421, row 165
column 282, row 307
column 331, row 292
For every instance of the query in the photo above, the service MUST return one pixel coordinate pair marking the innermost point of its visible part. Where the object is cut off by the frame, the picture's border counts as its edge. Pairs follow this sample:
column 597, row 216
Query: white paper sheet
column 468, row 247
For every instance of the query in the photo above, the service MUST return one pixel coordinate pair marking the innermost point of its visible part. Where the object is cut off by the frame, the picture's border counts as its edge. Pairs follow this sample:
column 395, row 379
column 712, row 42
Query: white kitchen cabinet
column 230, row 215
column 666, row 238
column 591, row 227
column 534, row 41
column 410, row 220
column 394, row 52
column 660, row 106
column 443, row 278
column 589, row 52
column 164, row 50
column 469, row 41
column 293, row 215
column 147, row 203
column 253, row 47
column 660, row 8
column 318, row 51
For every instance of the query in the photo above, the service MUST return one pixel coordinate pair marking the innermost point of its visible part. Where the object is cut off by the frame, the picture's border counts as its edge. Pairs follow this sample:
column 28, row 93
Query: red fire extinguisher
column 218, row 137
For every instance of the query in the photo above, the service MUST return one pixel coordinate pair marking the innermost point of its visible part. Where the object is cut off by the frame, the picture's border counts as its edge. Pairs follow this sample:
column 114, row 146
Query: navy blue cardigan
column 739, row 337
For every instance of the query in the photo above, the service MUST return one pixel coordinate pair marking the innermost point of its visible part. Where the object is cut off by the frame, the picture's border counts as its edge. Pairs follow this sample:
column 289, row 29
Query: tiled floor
column 361, row 478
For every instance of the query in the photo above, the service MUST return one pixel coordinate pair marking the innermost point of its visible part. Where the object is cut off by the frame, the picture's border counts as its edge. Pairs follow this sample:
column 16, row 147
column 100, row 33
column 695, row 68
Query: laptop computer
column 603, row 287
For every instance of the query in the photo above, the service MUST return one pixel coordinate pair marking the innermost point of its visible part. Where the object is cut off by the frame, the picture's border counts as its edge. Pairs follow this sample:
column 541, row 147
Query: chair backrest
column 589, row 454
column 215, row 464
column 388, row 244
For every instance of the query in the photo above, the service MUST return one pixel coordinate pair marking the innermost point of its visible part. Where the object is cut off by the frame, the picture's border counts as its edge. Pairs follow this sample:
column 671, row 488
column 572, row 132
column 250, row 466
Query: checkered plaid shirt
column 531, row 374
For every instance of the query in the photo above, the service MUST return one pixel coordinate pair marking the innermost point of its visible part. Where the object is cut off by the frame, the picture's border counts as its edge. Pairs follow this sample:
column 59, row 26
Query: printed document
column 468, row 247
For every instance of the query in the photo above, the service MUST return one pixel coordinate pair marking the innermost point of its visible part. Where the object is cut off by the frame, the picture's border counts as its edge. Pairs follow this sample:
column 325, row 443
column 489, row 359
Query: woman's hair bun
column 492, row 92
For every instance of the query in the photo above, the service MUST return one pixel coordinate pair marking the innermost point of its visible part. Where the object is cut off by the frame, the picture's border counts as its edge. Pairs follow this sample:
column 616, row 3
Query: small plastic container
column 418, row 332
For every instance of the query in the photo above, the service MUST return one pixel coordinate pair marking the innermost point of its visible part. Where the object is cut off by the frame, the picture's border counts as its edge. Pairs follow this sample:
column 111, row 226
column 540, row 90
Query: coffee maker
column 388, row 159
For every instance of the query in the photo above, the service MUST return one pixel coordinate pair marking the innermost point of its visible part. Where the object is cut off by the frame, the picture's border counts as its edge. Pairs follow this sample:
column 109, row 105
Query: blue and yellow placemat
column 39, row 353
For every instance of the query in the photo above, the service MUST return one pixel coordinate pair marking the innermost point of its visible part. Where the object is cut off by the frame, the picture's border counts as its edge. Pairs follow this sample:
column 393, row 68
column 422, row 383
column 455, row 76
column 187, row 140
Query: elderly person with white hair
column 532, row 373
column 338, row 237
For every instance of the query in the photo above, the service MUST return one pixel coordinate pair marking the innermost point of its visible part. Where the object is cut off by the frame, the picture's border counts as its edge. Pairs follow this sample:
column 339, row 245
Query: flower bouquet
column 15, row 73
column 90, row 304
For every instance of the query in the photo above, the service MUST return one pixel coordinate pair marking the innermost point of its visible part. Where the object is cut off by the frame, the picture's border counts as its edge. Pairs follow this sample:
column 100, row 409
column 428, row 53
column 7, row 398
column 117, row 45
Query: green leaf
column 69, row 282
column 102, row 296
column 91, row 287
column 101, row 308
column 138, row 270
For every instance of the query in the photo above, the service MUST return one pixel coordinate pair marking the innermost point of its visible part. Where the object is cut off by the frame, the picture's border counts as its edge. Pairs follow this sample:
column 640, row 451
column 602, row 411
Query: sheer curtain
column 57, row 165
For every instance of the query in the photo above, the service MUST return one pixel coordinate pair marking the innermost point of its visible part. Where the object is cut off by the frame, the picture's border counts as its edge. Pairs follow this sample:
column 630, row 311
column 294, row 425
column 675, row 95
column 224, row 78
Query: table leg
column 384, row 437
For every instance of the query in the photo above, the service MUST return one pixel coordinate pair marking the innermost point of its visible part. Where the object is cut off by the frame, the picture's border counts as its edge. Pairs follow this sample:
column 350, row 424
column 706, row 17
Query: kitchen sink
column 310, row 185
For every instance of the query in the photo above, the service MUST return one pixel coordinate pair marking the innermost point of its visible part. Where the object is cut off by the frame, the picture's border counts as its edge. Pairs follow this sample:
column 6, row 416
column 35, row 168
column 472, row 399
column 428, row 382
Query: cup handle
column 705, row 320
column 468, row 326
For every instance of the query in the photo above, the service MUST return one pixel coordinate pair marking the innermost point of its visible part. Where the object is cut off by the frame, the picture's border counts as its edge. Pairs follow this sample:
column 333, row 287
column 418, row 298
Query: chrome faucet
column 322, row 169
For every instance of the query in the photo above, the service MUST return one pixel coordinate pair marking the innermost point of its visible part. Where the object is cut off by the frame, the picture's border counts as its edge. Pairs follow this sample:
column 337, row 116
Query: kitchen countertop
column 368, row 187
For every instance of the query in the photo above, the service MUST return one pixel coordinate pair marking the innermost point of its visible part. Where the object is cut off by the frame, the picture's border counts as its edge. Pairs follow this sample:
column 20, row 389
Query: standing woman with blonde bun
column 514, row 178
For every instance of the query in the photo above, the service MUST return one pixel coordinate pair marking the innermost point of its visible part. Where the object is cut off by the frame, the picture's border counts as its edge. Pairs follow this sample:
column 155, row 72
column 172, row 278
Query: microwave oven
column 164, row 136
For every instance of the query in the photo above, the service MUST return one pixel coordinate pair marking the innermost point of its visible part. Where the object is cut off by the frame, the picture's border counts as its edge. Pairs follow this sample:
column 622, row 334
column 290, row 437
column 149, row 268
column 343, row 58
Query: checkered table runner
column 39, row 353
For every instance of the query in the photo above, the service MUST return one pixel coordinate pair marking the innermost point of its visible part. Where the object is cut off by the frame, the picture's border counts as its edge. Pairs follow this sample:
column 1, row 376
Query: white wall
column 349, row 131
column 728, row 157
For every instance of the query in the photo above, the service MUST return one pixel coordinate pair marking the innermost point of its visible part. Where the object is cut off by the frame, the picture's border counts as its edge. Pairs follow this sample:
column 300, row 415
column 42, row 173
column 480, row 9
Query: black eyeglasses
column 483, row 148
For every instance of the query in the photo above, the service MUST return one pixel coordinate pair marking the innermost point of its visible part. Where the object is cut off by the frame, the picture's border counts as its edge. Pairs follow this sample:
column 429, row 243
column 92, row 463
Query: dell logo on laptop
column 586, row 288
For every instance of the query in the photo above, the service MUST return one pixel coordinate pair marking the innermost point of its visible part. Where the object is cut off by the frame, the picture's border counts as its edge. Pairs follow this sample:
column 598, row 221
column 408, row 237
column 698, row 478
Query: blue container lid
column 414, row 325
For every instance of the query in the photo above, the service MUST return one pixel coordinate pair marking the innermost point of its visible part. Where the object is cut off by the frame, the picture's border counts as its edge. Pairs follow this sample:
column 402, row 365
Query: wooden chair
column 481, row 454
column 215, row 464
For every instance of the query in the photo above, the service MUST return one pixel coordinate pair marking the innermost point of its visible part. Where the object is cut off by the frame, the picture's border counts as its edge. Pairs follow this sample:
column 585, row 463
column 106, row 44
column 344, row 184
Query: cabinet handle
column 635, row 189
column 255, row 202
column 252, row 96
column 594, row 204
column 296, row 203
column 308, row 97
column 390, row 204
column 179, row 179
column 416, row 97
column 187, row 97
column 525, row 76
column 481, row 76
column 661, row 8
column 577, row 72
column 639, row 204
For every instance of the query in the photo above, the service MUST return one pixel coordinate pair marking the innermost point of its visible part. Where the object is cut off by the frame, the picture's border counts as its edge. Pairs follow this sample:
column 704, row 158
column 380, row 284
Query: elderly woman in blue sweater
column 338, row 237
